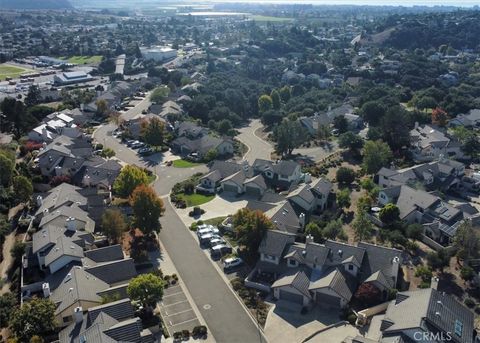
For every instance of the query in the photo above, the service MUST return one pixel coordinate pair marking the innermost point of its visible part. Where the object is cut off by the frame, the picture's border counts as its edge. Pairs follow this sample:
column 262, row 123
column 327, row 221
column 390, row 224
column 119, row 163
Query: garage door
column 327, row 300
column 295, row 298
column 230, row 188
column 252, row 191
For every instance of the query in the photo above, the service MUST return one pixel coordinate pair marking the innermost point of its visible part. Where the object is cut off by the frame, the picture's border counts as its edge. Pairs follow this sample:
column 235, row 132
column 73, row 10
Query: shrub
column 177, row 335
column 352, row 318
column 186, row 334
column 199, row 331
column 469, row 303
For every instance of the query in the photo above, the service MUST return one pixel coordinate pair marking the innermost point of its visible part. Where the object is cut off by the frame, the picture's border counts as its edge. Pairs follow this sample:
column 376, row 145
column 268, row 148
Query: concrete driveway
column 221, row 206
column 257, row 147
column 318, row 153
column 286, row 324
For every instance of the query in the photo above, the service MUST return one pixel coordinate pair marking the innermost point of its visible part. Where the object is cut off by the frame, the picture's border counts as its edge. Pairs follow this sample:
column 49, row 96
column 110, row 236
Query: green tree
column 250, row 227
column 113, row 224
column 350, row 141
column 376, row 154
column 276, row 103
column 343, row 198
column 15, row 113
column 285, row 93
column 265, row 103
column 159, row 94
column 211, row 155
column 372, row 112
column 315, row 231
column 23, row 188
column 345, row 175
column 340, row 123
column 147, row 209
column 333, row 229
column 129, row 178
column 467, row 242
column 8, row 302
column 102, row 107
column 395, row 128
column 389, row 214
column 467, row 273
column 224, row 126
column 35, row 317
column 33, row 96
column 7, row 167
column 415, row 231
column 288, row 136
column 323, row 132
column 362, row 226
column 439, row 259
column 17, row 251
column 425, row 273
column 153, row 132
column 147, row 289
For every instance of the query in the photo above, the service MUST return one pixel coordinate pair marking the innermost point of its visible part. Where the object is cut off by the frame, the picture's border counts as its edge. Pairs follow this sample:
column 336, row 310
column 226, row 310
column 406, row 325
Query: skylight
column 458, row 328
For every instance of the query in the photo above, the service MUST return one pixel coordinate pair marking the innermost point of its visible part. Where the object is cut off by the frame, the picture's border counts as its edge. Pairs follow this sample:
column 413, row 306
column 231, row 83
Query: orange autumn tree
column 147, row 209
column 439, row 117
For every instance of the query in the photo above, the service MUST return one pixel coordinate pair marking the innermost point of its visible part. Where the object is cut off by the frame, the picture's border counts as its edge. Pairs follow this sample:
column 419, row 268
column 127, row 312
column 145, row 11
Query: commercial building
column 158, row 54
column 70, row 78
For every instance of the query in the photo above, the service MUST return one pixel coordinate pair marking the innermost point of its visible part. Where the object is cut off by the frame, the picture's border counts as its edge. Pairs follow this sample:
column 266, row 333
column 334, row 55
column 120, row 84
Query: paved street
column 222, row 311
column 257, row 147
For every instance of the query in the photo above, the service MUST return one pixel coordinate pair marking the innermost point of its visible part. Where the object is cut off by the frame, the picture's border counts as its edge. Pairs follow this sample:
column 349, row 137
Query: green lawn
column 214, row 221
column 7, row 70
column 270, row 19
column 195, row 199
column 184, row 164
column 151, row 178
column 83, row 59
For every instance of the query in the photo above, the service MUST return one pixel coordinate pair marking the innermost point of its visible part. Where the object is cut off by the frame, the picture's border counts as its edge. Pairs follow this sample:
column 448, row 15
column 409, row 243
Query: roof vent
column 70, row 289
column 438, row 314
column 340, row 252
column 304, row 252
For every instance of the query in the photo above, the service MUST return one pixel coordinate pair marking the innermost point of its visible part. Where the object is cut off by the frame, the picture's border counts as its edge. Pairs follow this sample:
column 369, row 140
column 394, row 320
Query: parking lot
column 176, row 311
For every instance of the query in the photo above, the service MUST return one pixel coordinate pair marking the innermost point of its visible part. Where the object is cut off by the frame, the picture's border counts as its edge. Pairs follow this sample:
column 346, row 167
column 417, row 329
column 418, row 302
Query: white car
column 210, row 229
column 232, row 262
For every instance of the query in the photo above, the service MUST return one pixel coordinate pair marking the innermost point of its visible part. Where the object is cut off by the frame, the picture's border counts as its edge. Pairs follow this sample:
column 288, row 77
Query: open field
column 7, row 70
column 83, row 59
column 270, row 19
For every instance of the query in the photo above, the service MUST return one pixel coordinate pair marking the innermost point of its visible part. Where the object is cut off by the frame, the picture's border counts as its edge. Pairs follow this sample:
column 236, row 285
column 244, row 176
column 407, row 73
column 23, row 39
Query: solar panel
column 458, row 328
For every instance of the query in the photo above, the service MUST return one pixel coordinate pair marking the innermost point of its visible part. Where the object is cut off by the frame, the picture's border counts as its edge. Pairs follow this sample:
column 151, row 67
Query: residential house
column 428, row 144
column 53, row 126
column 134, row 127
column 281, row 174
column 472, row 119
column 68, row 216
column 112, row 322
column 427, row 315
column 311, row 198
column 325, row 274
column 190, row 129
column 199, row 147
column 440, row 219
column 313, row 123
column 440, row 175
column 100, row 174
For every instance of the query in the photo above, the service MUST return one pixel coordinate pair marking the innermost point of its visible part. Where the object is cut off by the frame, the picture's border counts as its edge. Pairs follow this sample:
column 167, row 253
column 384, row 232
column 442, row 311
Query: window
column 292, row 262
column 458, row 328
column 67, row 319
column 350, row 267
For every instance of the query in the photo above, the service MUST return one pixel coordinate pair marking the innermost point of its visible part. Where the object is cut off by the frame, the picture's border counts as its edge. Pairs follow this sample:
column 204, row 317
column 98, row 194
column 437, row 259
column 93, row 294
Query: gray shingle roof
column 378, row 258
column 284, row 218
column 340, row 251
column 49, row 234
column 63, row 194
column 274, row 242
column 303, row 192
column 70, row 212
column 297, row 280
column 340, row 282
column 322, row 186
column 114, row 272
column 64, row 246
column 106, row 254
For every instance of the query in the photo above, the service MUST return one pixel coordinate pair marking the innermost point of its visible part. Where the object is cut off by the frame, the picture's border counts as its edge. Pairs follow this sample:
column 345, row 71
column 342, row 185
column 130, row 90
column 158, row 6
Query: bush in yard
column 345, row 175
column 352, row 318
column 199, row 331
column 469, row 303
column 177, row 335
column 425, row 273
column 185, row 334
column 467, row 273
column 368, row 294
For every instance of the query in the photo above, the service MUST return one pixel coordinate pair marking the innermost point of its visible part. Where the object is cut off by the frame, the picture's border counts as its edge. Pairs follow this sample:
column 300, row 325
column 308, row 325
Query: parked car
column 137, row 145
column 145, row 151
column 216, row 240
column 129, row 142
column 232, row 263
column 207, row 229
column 206, row 238
column 218, row 251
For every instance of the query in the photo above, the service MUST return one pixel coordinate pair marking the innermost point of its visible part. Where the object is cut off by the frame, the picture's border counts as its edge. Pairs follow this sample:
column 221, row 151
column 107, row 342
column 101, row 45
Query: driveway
column 286, row 324
column 318, row 153
column 257, row 147
column 221, row 206
column 224, row 314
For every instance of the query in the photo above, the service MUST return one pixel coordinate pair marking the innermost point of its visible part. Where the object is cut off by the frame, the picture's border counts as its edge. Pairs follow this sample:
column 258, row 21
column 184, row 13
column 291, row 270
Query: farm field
column 7, row 70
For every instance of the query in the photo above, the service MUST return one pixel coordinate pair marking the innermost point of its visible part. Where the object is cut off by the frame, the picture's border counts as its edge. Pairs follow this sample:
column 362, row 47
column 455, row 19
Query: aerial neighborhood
column 239, row 173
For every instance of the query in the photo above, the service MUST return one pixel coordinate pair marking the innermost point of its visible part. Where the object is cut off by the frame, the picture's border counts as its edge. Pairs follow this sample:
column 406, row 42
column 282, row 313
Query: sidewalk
column 168, row 268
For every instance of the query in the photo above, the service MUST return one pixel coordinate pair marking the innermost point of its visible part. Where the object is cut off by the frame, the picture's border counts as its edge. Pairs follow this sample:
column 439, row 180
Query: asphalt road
column 222, row 311
column 257, row 147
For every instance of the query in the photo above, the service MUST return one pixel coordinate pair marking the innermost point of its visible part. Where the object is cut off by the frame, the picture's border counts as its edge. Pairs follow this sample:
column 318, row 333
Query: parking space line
column 190, row 320
column 166, row 296
column 174, row 314
column 179, row 302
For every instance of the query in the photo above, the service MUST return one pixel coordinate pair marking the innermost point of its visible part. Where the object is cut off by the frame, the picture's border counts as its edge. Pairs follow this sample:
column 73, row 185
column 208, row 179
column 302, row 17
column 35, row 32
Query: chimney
column 395, row 266
column 301, row 217
column 434, row 282
column 39, row 200
column 309, row 239
column 44, row 132
column 416, row 125
column 78, row 314
column 46, row 289
column 71, row 224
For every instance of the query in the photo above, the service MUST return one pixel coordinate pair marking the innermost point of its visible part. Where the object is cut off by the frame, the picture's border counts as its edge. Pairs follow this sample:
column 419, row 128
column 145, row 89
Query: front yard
column 195, row 199
column 184, row 164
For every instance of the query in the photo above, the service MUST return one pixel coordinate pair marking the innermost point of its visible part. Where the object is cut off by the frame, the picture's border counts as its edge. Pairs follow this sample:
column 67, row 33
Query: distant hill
column 35, row 4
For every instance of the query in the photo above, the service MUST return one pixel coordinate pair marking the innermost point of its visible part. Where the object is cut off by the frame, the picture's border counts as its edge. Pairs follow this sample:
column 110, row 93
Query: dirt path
column 7, row 262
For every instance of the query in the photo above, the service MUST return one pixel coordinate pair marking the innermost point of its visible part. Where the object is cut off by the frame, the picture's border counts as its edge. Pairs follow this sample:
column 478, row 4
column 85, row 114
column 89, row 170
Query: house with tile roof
column 326, row 274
